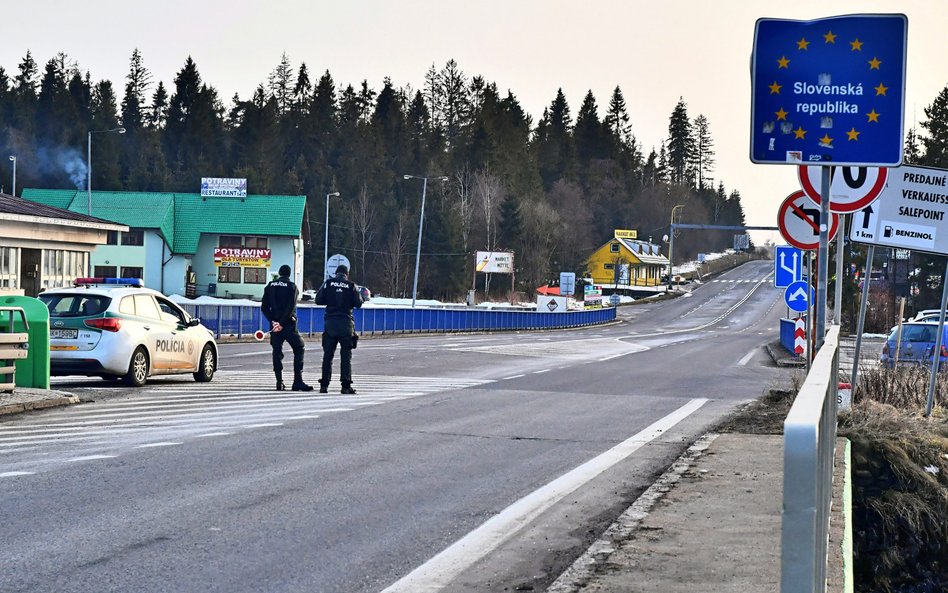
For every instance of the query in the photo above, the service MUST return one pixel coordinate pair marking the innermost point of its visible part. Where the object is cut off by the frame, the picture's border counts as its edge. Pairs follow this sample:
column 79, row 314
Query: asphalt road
column 465, row 463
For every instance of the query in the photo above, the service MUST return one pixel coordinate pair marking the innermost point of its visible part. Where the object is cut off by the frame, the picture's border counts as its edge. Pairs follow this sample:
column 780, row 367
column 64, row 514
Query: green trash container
column 32, row 371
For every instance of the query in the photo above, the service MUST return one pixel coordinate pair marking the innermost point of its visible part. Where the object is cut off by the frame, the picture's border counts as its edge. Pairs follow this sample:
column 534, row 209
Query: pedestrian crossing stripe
column 585, row 349
column 176, row 411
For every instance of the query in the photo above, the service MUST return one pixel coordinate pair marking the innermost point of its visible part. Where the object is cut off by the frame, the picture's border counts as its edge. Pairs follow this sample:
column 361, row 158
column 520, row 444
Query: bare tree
column 465, row 203
column 363, row 220
column 395, row 254
column 488, row 193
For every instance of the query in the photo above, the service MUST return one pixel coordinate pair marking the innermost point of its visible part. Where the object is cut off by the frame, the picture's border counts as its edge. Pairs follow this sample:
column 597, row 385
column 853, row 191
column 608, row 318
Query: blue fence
column 244, row 321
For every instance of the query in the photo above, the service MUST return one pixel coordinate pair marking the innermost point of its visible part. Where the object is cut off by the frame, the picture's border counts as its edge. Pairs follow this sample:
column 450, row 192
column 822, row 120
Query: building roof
column 643, row 250
column 182, row 218
column 25, row 209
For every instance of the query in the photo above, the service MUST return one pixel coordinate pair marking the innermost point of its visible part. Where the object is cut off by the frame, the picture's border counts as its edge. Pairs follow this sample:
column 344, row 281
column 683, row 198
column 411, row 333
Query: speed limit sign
column 851, row 188
column 799, row 222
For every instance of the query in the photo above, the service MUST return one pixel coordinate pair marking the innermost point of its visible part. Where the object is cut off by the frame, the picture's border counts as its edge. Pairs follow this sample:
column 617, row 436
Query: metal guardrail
column 236, row 320
column 809, row 443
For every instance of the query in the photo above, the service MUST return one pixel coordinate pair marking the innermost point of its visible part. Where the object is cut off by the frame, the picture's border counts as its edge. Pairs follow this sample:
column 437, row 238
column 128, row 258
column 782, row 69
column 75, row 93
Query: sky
column 656, row 51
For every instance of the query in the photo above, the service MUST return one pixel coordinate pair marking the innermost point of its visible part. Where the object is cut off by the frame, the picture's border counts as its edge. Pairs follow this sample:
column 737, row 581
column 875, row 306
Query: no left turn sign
column 851, row 188
column 799, row 221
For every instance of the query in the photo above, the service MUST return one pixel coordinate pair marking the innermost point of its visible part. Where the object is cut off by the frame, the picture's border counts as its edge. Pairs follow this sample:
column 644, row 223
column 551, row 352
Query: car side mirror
column 194, row 321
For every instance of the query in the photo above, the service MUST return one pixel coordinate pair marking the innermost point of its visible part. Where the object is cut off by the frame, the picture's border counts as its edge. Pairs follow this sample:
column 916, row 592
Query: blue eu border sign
column 829, row 91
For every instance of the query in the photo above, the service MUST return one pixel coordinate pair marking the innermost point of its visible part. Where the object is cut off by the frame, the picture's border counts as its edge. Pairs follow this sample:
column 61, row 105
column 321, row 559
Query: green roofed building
column 193, row 245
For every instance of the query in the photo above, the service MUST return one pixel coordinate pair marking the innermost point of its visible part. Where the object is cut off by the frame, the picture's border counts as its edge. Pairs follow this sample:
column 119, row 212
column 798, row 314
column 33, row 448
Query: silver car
column 120, row 330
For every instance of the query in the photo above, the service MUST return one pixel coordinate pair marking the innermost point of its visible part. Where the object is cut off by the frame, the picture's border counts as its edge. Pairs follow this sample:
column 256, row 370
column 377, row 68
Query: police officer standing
column 279, row 307
column 340, row 296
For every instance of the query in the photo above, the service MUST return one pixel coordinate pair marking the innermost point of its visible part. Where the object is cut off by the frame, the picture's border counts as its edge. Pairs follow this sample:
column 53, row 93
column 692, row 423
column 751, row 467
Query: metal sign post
column 936, row 355
column 862, row 317
column 840, row 254
column 822, row 259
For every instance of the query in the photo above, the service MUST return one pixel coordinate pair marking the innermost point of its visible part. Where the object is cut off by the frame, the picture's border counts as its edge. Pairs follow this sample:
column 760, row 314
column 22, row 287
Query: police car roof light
column 136, row 282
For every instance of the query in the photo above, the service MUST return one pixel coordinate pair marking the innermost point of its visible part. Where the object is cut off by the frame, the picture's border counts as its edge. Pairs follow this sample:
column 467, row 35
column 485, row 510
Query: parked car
column 927, row 315
column 916, row 346
column 115, row 328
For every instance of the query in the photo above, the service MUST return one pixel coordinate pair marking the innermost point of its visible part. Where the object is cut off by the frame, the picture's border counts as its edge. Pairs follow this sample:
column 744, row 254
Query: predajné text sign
column 829, row 91
column 910, row 213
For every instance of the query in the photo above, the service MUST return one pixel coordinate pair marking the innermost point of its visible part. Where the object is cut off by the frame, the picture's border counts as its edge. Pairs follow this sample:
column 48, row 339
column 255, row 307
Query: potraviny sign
column 223, row 187
column 910, row 213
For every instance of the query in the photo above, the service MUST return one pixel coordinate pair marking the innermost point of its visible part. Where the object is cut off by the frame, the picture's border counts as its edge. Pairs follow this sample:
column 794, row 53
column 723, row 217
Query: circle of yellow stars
column 804, row 45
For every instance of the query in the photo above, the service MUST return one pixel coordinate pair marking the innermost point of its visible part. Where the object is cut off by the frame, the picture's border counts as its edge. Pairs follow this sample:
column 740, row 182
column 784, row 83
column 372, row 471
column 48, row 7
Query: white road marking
column 512, row 377
column 541, row 371
column 264, row 424
column 161, row 444
column 14, row 474
column 91, row 458
column 216, row 434
column 747, row 357
column 437, row 573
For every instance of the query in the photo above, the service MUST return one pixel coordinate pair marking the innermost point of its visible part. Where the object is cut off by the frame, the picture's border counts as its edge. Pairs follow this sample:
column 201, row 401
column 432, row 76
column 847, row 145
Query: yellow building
column 626, row 263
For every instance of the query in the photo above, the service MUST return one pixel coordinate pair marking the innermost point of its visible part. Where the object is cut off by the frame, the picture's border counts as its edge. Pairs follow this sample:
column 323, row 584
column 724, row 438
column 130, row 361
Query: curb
column 784, row 361
column 584, row 568
column 39, row 404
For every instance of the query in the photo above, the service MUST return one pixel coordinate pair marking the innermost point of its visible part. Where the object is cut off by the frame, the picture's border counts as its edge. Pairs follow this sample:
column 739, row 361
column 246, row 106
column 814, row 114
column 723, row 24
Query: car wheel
column 137, row 368
column 206, row 365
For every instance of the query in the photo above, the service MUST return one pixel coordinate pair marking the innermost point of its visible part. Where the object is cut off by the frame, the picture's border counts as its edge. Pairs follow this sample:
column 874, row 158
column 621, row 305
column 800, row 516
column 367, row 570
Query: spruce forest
column 550, row 190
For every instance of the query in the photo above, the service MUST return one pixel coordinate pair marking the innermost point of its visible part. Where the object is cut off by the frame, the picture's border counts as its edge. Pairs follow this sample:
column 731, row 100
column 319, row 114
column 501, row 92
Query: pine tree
column 281, row 84
column 158, row 111
column 510, row 226
column 680, row 145
column 703, row 152
column 138, row 80
column 554, row 143
column 936, row 140
column 106, row 174
column 589, row 134
column 456, row 103
column 617, row 120
column 913, row 153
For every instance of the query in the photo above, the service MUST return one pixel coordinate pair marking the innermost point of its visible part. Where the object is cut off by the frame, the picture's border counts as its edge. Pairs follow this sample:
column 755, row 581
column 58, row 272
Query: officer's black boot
column 279, row 382
column 324, row 386
column 299, row 385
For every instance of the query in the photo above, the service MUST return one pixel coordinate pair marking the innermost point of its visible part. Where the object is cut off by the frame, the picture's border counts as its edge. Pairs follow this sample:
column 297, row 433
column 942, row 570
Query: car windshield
column 75, row 305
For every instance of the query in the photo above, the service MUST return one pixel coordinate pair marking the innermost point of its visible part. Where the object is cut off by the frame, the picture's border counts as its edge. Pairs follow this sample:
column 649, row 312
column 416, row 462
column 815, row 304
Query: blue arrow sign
column 797, row 295
column 829, row 91
column 788, row 266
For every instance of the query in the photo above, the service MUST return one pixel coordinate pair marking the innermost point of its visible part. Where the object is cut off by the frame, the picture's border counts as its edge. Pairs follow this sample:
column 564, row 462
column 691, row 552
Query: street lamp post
column 89, row 165
column 421, row 223
column 13, row 158
column 671, row 244
column 326, row 241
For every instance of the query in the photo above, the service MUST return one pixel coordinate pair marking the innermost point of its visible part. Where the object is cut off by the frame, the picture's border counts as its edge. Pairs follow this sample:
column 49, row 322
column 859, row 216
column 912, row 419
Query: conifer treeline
column 551, row 191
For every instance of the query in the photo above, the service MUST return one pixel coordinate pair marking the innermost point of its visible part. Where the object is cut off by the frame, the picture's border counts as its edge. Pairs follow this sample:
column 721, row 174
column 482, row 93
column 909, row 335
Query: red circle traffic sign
column 851, row 188
column 799, row 221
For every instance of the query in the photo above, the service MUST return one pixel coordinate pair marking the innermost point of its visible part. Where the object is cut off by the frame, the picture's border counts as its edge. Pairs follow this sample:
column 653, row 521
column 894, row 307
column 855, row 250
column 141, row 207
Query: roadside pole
column 862, row 317
column 936, row 354
column 822, row 258
column 840, row 252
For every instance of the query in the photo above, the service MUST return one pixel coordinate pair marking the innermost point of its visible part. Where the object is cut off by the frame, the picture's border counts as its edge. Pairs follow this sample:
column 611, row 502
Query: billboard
column 494, row 262
column 238, row 257
column 226, row 187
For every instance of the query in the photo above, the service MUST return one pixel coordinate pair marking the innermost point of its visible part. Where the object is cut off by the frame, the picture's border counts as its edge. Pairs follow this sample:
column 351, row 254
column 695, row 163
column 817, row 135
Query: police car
column 115, row 328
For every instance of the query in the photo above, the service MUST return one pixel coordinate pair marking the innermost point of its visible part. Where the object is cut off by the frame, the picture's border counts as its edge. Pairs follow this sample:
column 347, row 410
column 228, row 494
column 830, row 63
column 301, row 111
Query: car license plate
column 67, row 334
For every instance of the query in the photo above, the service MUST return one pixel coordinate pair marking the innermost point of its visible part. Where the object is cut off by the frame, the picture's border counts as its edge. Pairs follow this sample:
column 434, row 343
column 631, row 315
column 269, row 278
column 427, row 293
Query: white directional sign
column 851, row 188
column 788, row 266
column 567, row 283
column 799, row 221
column 910, row 213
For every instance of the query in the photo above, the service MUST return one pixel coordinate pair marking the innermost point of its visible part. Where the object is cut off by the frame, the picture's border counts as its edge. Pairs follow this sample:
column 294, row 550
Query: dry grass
column 900, row 479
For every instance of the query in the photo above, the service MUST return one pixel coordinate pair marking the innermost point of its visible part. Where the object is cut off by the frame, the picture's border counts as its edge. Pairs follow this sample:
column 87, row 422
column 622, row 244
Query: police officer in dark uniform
column 340, row 296
column 279, row 307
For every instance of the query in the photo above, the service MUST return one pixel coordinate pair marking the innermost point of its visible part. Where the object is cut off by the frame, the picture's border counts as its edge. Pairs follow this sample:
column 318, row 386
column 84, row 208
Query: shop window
column 112, row 238
column 231, row 241
column 255, row 242
column 105, row 272
column 133, row 238
column 609, row 266
column 614, row 248
column 231, row 275
column 255, row 275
